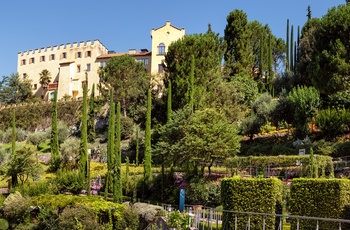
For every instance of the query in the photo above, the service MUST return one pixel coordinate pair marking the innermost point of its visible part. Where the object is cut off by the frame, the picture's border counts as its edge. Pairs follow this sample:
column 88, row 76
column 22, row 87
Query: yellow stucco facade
column 161, row 39
column 72, row 64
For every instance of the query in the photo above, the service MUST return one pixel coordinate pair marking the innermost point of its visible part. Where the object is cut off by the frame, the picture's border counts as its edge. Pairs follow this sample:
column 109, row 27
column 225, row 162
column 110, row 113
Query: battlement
column 65, row 47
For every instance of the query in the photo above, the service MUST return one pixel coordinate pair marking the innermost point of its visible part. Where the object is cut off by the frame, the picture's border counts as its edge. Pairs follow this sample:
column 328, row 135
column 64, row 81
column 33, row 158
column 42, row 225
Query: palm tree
column 45, row 79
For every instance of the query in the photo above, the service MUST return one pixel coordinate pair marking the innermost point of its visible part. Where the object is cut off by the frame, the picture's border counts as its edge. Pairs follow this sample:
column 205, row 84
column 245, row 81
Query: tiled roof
column 138, row 53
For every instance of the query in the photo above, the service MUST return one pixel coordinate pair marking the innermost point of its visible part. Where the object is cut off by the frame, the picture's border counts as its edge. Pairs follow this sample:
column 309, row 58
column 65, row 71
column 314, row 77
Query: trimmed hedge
column 263, row 195
column 324, row 163
column 327, row 198
column 34, row 116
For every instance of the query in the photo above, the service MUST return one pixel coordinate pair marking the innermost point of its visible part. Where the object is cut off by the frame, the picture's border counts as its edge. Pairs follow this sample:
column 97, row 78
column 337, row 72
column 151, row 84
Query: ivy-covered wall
column 263, row 195
column 328, row 198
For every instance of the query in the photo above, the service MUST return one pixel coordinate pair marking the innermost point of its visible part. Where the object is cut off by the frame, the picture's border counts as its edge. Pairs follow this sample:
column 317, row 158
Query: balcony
column 53, row 86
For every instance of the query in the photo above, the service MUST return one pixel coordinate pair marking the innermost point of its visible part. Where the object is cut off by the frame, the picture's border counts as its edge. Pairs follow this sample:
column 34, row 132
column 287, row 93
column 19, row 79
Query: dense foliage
column 320, row 198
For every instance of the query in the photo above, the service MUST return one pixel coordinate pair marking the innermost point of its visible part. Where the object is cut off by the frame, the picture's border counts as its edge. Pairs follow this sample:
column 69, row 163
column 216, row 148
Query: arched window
column 161, row 48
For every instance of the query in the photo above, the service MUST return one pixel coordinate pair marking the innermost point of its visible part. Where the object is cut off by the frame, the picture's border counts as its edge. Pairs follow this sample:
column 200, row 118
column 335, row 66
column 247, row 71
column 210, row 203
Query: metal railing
column 205, row 218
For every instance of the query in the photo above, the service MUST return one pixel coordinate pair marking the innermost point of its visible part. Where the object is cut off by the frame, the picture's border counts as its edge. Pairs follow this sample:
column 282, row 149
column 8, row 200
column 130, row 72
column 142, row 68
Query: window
column 161, row 49
column 78, row 55
column 88, row 67
column 23, row 61
column 42, row 58
column 103, row 64
column 64, row 55
column 160, row 68
column 25, row 75
column 35, row 86
column 52, row 57
column 88, row 53
column 78, row 69
column 144, row 61
column 52, row 95
column 31, row 60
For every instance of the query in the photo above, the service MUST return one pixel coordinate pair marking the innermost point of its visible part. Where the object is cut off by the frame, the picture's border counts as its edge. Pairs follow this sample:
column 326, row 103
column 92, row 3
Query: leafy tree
column 83, row 150
column 70, row 154
column 130, row 82
column 208, row 138
column 13, row 89
column 167, row 138
column 331, row 122
column 23, row 165
column 54, row 144
column 229, row 98
column 259, row 115
column 148, row 151
column 304, row 101
column 91, row 119
column 207, row 51
column 330, row 66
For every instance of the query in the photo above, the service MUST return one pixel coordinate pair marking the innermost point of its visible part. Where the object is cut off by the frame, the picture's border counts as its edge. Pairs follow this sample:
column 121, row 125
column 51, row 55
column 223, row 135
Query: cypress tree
column 91, row 120
column 14, row 179
column 191, row 85
column 137, row 146
column 261, row 56
column 117, row 188
column 295, row 55
column 291, row 59
column 308, row 12
column 127, row 175
column 148, row 156
column 270, row 63
column 287, row 46
column 55, row 157
column 110, row 144
column 313, row 168
column 83, row 150
column 169, row 109
column 298, row 45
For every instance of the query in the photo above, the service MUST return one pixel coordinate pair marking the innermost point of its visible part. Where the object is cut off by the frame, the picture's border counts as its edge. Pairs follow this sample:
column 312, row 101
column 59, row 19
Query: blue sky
column 124, row 25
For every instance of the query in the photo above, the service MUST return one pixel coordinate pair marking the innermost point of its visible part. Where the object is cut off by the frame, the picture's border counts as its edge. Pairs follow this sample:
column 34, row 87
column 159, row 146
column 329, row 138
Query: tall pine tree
column 117, row 187
column 91, row 120
column 55, row 154
column 169, row 109
column 137, row 146
column 83, row 150
column 148, row 154
column 14, row 179
column 191, row 85
column 110, row 144
column 287, row 46
column 291, row 51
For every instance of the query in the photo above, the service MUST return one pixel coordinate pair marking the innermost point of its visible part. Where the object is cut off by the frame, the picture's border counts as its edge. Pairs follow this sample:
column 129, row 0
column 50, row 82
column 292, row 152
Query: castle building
column 72, row 65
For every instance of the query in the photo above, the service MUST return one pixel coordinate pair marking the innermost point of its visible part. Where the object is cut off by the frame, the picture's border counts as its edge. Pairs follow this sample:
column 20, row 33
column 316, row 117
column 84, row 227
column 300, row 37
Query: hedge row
column 263, row 195
column 324, row 163
column 327, row 198
column 33, row 116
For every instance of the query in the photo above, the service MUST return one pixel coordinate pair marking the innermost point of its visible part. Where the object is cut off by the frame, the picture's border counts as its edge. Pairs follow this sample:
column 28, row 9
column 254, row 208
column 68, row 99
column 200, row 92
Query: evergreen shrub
column 263, row 195
column 326, row 198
